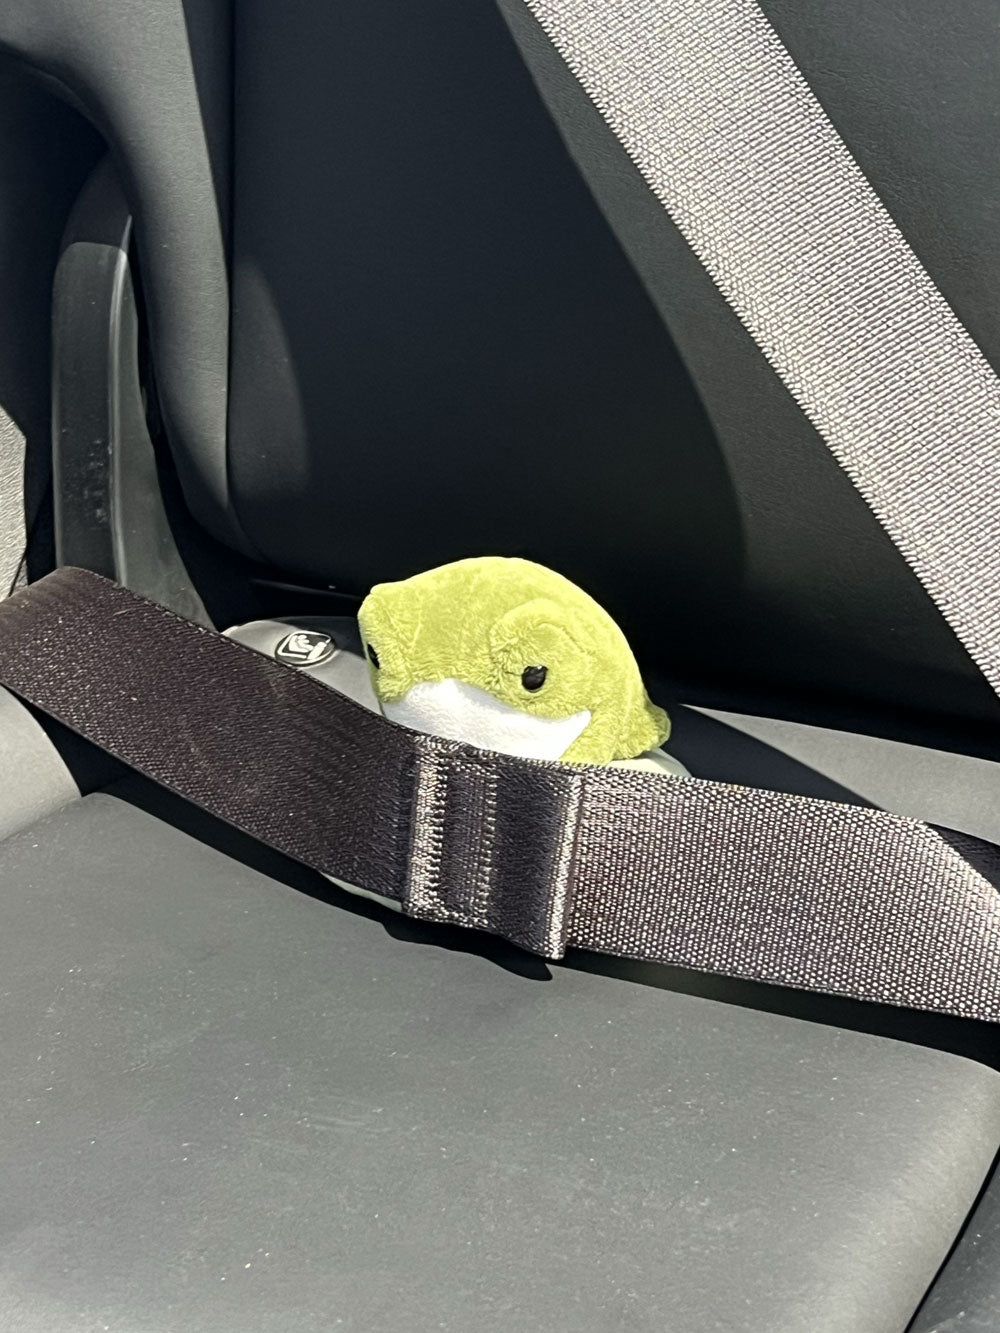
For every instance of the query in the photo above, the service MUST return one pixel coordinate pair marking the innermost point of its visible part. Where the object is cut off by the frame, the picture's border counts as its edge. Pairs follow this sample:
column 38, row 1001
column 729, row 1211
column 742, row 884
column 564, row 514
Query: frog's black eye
column 533, row 677
column 372, row 656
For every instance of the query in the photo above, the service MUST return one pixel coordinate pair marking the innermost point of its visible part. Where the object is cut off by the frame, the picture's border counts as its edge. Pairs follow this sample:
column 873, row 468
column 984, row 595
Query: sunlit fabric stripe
column 714, row 113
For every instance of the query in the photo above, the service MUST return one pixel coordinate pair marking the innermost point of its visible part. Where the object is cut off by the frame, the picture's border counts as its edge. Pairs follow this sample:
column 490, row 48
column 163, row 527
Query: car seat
column 349, row 291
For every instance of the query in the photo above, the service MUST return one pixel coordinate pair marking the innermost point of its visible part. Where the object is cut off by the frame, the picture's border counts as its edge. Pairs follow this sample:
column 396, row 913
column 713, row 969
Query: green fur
column 484, row 620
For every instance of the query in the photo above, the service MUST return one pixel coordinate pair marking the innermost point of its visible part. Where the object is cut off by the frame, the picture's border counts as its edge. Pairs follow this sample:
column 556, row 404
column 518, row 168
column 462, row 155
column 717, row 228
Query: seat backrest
column 461, row 324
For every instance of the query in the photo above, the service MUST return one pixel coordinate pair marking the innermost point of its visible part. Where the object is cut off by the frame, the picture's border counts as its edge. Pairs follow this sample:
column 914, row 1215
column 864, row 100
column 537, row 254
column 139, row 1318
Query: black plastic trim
column 108, row 508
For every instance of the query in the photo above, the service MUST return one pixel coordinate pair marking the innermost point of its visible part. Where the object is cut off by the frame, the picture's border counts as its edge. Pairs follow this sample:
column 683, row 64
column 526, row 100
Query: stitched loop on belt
column 491, row 851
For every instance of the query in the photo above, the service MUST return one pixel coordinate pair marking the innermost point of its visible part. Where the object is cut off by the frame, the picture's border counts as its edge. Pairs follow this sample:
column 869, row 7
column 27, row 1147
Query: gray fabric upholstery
column 226, row 1105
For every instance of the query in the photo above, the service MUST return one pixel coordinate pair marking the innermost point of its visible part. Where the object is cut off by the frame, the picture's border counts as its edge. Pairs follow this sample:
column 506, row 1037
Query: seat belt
column 13, row 528
column 712, row 110
column 705, row 875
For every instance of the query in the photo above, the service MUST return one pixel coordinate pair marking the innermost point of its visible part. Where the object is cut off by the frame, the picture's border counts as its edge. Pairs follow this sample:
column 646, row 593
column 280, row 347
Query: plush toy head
column 511, row 657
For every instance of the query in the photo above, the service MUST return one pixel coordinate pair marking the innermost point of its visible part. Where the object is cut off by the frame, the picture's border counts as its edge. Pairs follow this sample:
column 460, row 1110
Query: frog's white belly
column 462, row 712
column 653, row 761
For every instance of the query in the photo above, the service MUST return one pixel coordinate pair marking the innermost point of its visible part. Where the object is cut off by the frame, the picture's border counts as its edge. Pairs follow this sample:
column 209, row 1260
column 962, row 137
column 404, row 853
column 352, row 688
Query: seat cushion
column 226, row 1104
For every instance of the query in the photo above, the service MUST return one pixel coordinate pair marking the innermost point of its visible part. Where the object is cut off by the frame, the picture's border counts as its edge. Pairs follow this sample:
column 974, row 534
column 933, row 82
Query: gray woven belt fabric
column 717, row 118
column 12, row 528
column 705, row 875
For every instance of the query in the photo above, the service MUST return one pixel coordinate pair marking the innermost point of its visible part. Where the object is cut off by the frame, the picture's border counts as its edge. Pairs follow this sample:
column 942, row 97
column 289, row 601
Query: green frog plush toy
column 511, row 657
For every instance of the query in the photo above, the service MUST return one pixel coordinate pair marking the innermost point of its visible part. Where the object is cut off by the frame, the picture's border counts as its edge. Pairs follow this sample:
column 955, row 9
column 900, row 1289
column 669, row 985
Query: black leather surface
column 226, row 1105
column 966, row 1296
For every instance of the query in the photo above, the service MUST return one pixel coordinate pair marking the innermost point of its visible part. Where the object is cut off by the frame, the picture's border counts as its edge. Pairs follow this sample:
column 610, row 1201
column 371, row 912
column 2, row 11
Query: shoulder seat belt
column 703, row 875
column 729, row 137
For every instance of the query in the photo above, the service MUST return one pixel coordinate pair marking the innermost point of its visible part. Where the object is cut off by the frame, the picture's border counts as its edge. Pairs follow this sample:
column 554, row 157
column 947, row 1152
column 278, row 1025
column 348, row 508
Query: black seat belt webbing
column 704, row 875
